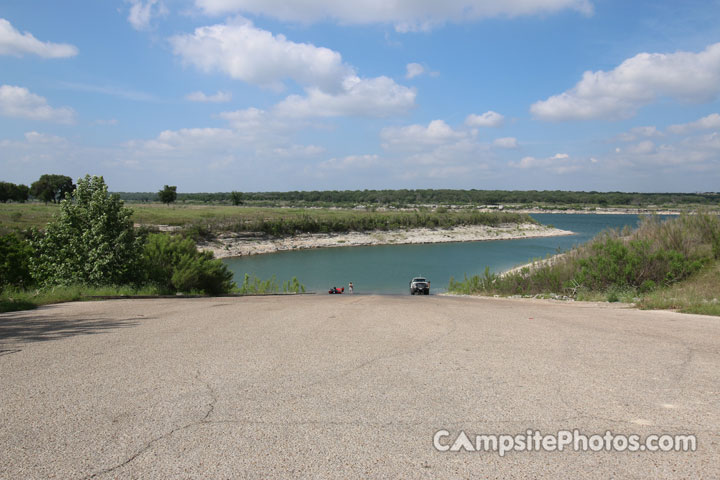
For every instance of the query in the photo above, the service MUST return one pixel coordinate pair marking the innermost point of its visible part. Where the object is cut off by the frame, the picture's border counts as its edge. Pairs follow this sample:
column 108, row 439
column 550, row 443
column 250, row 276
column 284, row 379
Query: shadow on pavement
column 38, row 326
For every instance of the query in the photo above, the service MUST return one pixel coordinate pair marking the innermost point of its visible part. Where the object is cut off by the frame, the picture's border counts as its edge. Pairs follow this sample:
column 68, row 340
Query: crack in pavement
column 415, row 349
column 154, row 441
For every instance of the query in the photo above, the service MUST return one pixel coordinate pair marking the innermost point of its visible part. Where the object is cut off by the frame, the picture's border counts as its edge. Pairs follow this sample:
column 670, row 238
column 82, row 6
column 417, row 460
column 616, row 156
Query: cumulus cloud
column 419, row 137
column 405, row 15
column 506, row 142
column 256, row 56
column 12, row 42
column 332, row 88
column 219, row 97
column 705, row 123
column 642, row 148
column 19, row 102
column 639, row 132
column 559, row 163
column 414, row 70
column 638, row 81
column 369, row 97
column 142, row 12
column 351, row 162
column 442, row 151
column 487, row 119
column 44, row 138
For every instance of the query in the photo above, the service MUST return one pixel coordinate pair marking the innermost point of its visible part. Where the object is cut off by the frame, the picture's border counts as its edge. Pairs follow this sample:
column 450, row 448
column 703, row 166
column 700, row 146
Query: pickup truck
column 419, row 285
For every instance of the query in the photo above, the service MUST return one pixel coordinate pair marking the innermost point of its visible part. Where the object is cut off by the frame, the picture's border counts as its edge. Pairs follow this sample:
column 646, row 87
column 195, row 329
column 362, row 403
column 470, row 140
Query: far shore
column 228, row 245
column 596, row 211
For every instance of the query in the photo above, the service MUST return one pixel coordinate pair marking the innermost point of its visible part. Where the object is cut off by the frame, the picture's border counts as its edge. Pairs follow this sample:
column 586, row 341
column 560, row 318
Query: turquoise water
column 389, row 268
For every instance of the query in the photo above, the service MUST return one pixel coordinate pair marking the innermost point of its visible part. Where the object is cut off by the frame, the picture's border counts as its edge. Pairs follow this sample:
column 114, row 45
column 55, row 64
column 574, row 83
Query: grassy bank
column 670, row 264
column 13, row 299
column 206, row 219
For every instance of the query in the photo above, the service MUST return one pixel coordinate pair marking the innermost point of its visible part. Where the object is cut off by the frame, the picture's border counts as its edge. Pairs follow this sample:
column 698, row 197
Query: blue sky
column 255, row 95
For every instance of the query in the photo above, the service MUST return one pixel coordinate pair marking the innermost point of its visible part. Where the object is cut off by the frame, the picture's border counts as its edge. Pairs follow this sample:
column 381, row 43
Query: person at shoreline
column 350, row 288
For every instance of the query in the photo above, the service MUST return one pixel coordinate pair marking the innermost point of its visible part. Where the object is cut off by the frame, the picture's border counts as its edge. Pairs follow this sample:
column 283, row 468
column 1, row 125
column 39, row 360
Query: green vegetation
column 52, row 188
column 253, row 285
column 90, row 247
column 168, row 194
column 12, row 192
column 236, row 198
column 15, row 254
column 552, row 198
column 661, row 264
column 91, row 242
column 14, row 299
column 174, row 264
column 698, row 294
column 203, row 220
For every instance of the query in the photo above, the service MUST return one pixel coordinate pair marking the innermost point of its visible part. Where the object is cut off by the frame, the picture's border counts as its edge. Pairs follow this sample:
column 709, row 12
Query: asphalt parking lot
column 349, row 387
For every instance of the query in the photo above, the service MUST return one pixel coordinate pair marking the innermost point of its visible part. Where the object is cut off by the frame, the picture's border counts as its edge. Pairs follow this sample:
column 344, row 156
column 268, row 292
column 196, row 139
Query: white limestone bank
column 241, row 244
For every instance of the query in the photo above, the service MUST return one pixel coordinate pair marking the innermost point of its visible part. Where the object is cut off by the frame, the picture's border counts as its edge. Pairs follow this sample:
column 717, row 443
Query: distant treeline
column 443, row 197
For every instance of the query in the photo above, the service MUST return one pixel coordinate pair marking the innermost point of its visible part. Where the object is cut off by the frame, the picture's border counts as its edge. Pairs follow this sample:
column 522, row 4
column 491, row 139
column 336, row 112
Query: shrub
column 174, row 264
column 657, row 254
column 15, row 254
column 91, row 242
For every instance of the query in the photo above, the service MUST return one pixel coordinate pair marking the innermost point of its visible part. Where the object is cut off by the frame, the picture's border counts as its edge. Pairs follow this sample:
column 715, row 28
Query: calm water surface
column 388, row 268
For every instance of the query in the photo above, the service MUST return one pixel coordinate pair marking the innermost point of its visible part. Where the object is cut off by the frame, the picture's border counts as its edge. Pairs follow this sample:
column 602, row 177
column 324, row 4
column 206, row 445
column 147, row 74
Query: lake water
column 389, row 268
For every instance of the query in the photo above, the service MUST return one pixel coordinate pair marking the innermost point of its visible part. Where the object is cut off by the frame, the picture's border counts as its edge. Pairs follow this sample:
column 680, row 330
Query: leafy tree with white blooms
column 92, row 241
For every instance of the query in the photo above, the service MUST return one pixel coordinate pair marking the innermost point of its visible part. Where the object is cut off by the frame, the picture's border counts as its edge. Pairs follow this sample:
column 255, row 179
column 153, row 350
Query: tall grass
column 657, row 255
column 254, row 285
column 13, row 299
column 347, row 221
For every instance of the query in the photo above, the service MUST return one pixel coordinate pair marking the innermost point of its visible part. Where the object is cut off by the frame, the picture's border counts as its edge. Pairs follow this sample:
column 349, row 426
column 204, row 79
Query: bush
column 174, row 264
column 15, row 254
column 658, row 254
column 91, row 242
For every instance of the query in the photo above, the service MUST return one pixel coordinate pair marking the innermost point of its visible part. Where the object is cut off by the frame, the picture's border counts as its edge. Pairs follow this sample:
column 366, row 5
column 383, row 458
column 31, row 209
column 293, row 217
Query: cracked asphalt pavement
column 349, row 387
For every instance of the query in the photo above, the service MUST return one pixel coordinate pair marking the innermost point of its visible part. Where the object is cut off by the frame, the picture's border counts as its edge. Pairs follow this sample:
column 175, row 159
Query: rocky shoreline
column 236, row 245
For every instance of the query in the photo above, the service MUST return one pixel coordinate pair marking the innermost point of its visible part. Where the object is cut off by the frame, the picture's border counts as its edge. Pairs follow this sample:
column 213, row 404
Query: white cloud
column 487, row 119
column 351, row 162
column 18, row 102
column 12, row 42
column 639, row 132
column 44, row 138
column 405, row 15
column 256, row 56
column 705, row 123
column 641, row 148
column 560, row 163
column 414, row 70
column 219, row 97
column 506, row 142
column 638, row 81
column 187, row 139
column 142, row 12
column 419, row 137
column 369, row 97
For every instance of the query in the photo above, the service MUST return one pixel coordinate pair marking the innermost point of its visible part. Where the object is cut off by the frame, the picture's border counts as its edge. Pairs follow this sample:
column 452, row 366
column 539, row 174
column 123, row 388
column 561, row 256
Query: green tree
column 15, row 254
column 174, row 263
column 236, row 197
column 91, row 242
column 168, row 194
column 52, row 188
column 21, row 193
column 6, row 191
